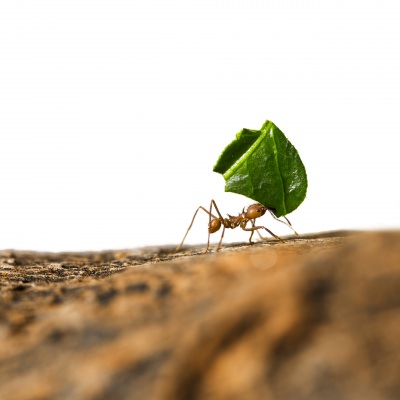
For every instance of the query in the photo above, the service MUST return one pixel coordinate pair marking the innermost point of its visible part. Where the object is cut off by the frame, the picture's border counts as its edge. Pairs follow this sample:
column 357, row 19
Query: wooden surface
column 317, row 317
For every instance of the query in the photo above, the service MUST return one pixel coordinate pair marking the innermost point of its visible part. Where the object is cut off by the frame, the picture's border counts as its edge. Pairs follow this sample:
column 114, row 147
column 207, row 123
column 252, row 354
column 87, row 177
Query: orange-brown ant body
column 253, row 212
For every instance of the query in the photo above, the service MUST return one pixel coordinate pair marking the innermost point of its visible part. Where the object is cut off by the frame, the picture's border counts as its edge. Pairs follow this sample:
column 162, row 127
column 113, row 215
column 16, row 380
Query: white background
column 113, row 113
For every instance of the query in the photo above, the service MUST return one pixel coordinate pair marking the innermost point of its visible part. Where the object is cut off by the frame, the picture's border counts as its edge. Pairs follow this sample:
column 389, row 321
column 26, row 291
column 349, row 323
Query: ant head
column 255, row 211
column 214, row 225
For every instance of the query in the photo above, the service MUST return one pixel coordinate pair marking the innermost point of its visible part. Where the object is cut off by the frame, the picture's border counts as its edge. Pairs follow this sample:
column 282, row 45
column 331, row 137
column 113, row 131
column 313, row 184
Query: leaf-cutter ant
column 253, row 212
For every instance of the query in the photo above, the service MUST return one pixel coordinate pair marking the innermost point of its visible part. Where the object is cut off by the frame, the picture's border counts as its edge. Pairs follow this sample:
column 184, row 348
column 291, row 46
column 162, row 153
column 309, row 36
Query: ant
column 253, row 212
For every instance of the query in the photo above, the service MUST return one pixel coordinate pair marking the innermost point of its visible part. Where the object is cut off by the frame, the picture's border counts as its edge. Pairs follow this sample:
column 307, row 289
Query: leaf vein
column 279, row 170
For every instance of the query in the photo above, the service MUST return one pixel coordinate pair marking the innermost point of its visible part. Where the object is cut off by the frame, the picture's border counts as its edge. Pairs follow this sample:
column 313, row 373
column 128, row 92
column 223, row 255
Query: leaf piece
column 264, row 166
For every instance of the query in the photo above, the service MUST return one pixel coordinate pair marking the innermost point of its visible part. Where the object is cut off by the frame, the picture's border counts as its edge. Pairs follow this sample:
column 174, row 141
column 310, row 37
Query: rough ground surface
column 313, row 318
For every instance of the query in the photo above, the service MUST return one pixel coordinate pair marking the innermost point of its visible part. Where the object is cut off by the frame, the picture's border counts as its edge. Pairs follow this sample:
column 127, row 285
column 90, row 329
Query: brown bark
column 316, row 317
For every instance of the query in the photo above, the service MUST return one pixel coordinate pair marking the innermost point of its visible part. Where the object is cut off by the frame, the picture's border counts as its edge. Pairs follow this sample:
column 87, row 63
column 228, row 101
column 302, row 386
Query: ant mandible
column 250, row 215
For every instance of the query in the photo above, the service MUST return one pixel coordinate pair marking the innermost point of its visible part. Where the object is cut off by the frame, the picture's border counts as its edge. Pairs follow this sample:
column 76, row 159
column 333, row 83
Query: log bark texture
column 317, row 317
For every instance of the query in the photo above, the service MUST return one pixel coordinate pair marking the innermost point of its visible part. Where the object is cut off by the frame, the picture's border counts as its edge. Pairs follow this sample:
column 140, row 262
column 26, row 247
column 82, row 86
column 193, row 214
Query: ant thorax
column 233, row 222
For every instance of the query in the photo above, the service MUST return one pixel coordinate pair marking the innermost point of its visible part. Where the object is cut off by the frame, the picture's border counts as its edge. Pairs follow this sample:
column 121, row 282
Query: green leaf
column 264, row 166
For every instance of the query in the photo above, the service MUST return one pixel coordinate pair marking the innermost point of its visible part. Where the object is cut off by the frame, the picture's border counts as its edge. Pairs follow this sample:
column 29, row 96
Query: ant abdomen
column 214, row 225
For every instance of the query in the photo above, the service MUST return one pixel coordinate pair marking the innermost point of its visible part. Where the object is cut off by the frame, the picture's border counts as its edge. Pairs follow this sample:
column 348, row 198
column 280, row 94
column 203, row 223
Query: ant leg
column 252, row 232
column 222, row 236
column 287, row 220
column 254, row 228
column 216, row 209
column 283, row 222
column 194, row 216
column 209, row 223
column 213, row 203
column 259, row 234
column 273, row 234
column 253, row 223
